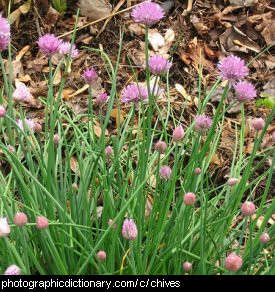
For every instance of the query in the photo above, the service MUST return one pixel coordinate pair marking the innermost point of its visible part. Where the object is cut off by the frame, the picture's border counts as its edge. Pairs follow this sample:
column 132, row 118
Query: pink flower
column 248, row 209
column 89, row 75
column 134, row 93
column 148, row 13
column 187, row 266
column 232, row 181
column 161, row 147
column 159, row 65
column 233, row 262
column 102, row 98
column 202, row 123
column 20, row 219
column 129, row 229
column 109, row 151
column 165, row 172
column 245, row 91
column 64, row 50
column 49, row 44
column 4, row 33
column 2, row 111
column 41, row 222
column 12, row 270
column 264, row 238
column 101, row 255
column 233, row 69
column 28, row 123
column 178, row 134
column 189, row 199
column 22, row 92
column 4, row 227
column 258, row 124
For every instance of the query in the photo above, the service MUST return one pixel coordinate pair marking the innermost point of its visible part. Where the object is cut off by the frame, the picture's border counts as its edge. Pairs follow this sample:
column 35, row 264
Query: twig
column 121, row 2
column 189, row 7
column 36, row 19
column 99, row 20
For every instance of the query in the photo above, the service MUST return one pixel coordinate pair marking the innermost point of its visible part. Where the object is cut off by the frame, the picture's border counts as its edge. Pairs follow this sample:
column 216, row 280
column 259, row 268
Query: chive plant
column 142, row 201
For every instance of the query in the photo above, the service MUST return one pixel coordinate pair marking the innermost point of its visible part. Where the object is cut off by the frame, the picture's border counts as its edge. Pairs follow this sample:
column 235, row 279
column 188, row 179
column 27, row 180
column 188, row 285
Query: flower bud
column 2, row 111
column 42, row 222
column 161, row 147
column 264, row 238
column 20, row 219
column 74, row 187
column 189, row 199
column 232, row 181
column 187, row 266
column 56, row 139
column 233, row 262
column 110, row 222
column 11, row 149
column 37, row 128
column 129, row 229
column 248, row 209
column 101, row 255
column 165, row 172
column 258, row 124
column 12, row 270
column 109, row 151
column 197, row 171
column 4, row 227
column 178, row 134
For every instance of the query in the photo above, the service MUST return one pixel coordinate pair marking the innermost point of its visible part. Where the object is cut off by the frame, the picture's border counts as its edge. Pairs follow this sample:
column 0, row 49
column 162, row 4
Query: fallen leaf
column 84, row 88
column 118, row 115
column 95, row 9
column 234, row 40
column 58, row 77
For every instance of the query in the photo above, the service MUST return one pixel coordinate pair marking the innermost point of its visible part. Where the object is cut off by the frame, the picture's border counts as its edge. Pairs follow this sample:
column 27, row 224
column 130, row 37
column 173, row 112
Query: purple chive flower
column 4, row 227
column 28, row 122
column 4, row 33
column 64, row 49
column 233, row 69
column 148, row 13
column 159, row 65
column 165, row 172
column 49, row 44
column 12, row 270
column 89, row 75
column 245, row 91
column 129, row 229
column 102, row 98
column 202, row 123
column 134, row 93
column 22, row 92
